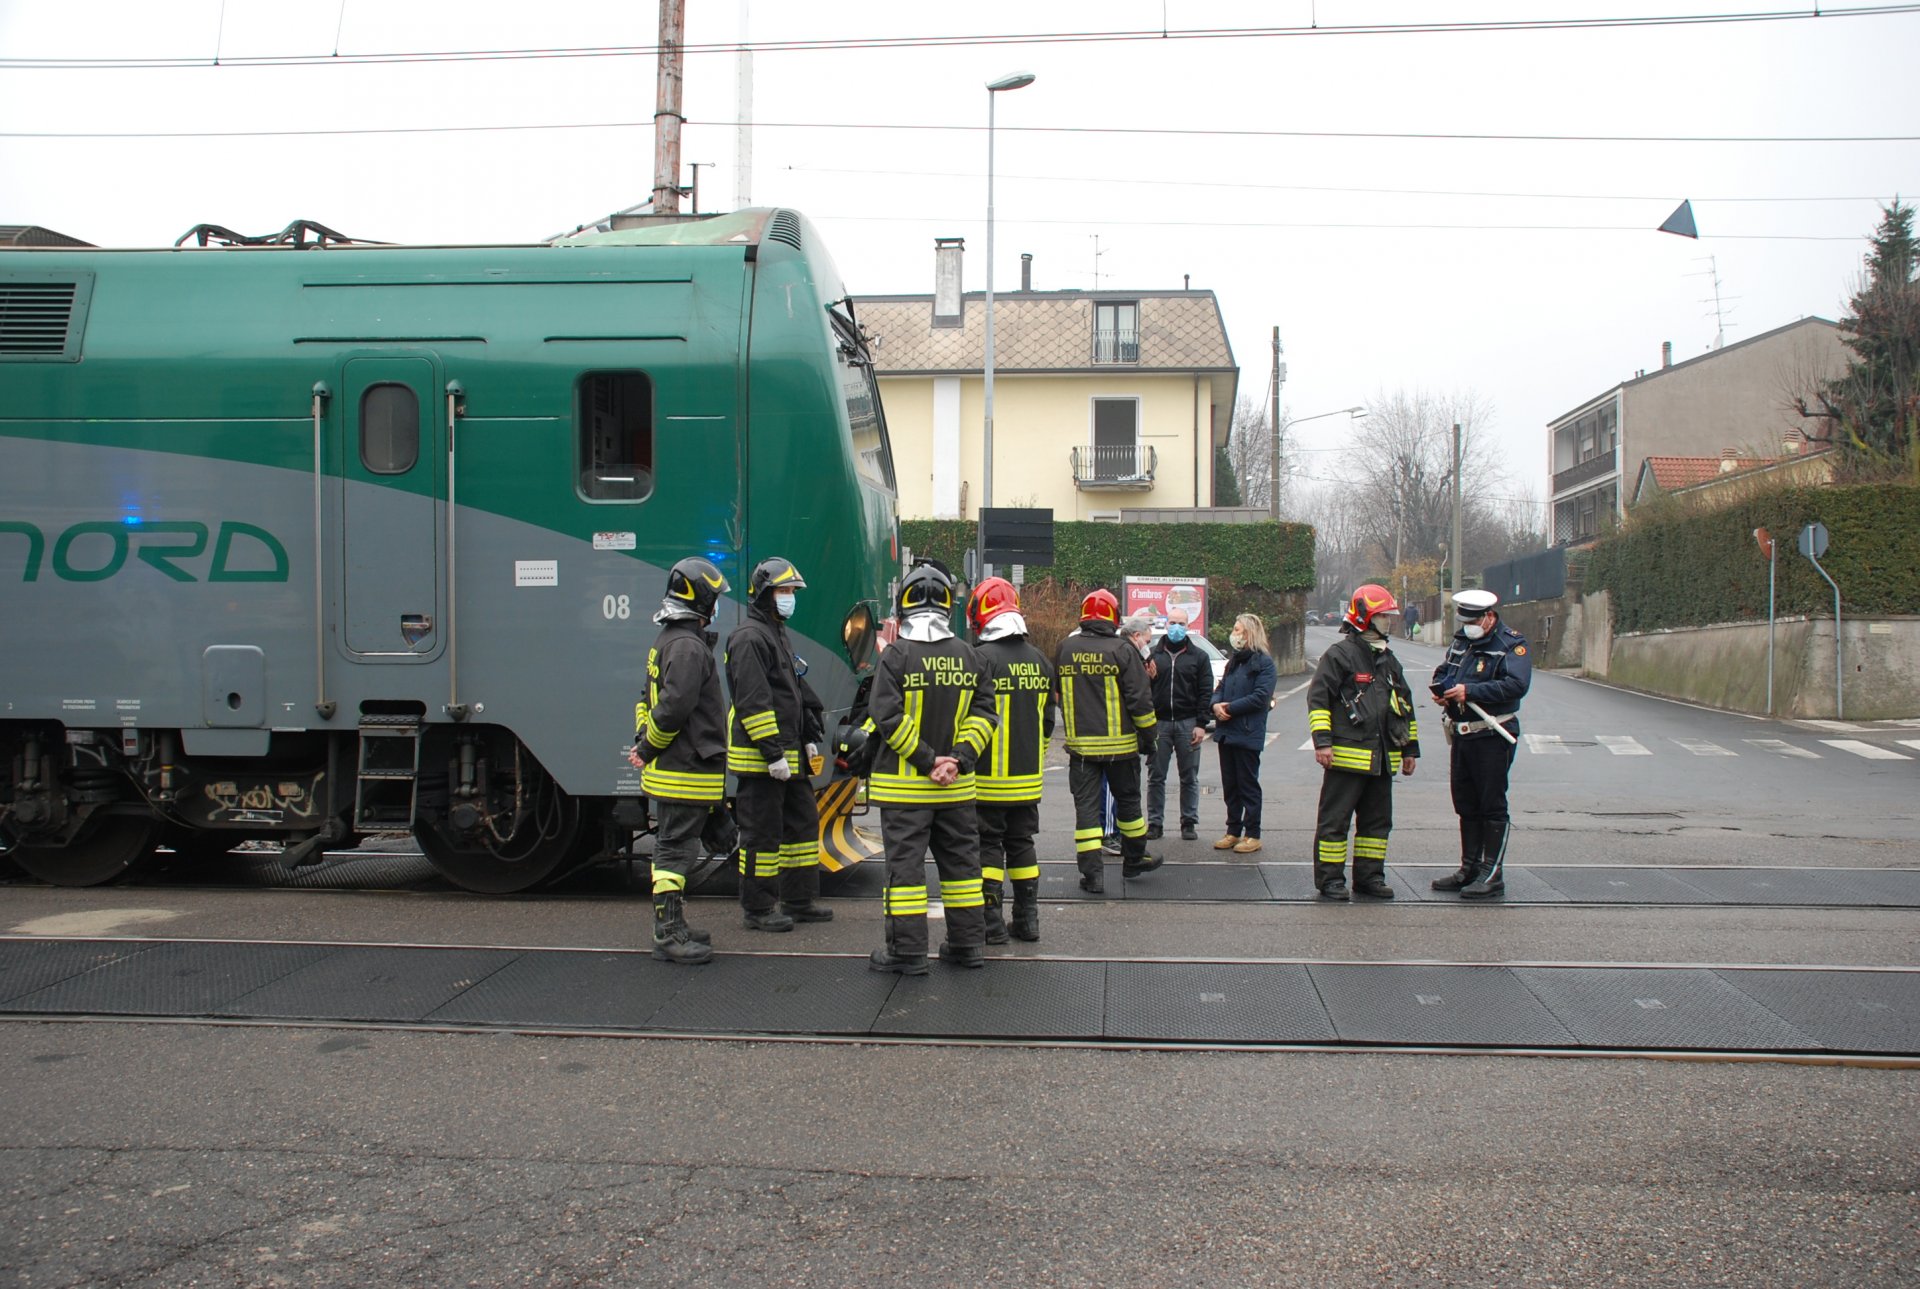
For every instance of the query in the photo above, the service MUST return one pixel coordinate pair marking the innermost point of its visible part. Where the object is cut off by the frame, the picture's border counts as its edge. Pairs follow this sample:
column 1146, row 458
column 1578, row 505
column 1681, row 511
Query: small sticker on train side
column 536, row 572
column 614, row 541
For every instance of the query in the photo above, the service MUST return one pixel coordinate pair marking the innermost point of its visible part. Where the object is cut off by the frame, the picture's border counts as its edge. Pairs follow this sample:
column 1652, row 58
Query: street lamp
column 1019, row 80
column 1273, row 495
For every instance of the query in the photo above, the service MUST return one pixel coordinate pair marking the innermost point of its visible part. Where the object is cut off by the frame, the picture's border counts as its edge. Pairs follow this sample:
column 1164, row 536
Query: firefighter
column 1480, row 684
column 1360, row 711
column 1008, row 779
column 774, row 737
column 680, row 745
column 932, row 712
column 1106, row 703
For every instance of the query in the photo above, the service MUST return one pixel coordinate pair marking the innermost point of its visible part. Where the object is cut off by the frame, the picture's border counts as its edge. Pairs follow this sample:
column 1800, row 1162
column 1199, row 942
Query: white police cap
column 1474, row 604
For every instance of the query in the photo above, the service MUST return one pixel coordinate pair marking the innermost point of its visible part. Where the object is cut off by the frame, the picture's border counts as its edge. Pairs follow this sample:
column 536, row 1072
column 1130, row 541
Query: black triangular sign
column 1680, row 222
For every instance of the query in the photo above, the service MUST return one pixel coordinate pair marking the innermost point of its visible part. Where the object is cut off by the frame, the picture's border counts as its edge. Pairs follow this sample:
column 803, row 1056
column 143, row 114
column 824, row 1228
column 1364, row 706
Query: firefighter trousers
column 1121, row 777
column 676, row 843
column 953, row 835
column 1365, row 800
column 779, row 841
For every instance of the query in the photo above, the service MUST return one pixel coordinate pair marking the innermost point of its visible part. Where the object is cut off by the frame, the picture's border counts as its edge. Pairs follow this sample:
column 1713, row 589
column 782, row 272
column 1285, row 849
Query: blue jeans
column 1175, row 737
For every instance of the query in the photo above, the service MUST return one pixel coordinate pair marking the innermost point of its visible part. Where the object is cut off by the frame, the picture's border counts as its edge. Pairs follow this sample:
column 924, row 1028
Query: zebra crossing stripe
column 1784, row 748
column 1622, row 745
column 1700, row 747
column 1307, row 746
column 1547, row 745
column 1909, row 742
column 1867, row 750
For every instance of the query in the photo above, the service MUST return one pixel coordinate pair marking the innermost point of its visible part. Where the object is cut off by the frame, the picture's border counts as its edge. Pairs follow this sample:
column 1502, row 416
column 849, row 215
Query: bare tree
column 1250, row 450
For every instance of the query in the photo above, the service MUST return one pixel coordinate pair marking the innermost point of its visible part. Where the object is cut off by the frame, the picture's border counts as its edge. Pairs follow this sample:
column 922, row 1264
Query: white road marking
column 1622, row 745
column 1700, row 747
column 1908, row 742
column 1845, row 727
column 1783, row 747
column 1306, row 746
column 1270, row 739
column 1547, row 745
column 1868, row 750
column 93, row 922
column 1296, row 689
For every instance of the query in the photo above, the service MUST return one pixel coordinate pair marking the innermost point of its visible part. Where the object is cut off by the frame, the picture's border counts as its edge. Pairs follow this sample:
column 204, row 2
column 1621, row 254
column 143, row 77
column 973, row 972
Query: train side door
column 393, row 479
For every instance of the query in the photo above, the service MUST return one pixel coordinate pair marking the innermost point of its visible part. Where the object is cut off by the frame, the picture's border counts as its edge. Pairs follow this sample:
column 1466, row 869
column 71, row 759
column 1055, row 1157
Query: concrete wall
column 1726, row 666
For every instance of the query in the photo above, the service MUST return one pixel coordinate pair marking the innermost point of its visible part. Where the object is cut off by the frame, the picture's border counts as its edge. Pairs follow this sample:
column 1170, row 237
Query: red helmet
column 1368, row 603
column 1100, row 606
column 989, row 600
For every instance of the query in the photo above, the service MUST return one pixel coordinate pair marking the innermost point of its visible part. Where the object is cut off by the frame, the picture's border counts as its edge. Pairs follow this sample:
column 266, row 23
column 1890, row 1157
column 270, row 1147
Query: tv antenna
column 1719, row 302
column 1097, row 253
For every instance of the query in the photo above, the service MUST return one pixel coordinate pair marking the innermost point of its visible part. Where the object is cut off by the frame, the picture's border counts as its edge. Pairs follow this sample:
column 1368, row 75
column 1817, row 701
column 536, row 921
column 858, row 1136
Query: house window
column 1116, row 438
column 614, row 419
column 1116, row 332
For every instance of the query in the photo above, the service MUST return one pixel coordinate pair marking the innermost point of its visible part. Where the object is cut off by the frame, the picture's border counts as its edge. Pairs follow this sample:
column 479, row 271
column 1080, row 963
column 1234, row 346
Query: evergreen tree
column 1873, row 411
column 1226, row 487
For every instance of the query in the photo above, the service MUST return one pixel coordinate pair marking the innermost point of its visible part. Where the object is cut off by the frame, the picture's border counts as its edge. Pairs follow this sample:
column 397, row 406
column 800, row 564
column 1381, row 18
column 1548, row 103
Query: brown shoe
column 1227, row 842
column 1247, row 846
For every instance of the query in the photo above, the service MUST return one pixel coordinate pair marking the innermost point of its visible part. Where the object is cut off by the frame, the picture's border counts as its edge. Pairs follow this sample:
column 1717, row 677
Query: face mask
column 783, row 603
column 1145, row 651
column 1177, row 632
column 1473, row 631
column 1238, row 640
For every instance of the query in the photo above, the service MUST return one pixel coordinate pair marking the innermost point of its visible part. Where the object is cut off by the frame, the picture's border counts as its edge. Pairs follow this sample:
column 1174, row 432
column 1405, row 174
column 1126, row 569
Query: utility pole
column 666, row 110
column 1273, row 473
column 1454, row 555
column 743, row 113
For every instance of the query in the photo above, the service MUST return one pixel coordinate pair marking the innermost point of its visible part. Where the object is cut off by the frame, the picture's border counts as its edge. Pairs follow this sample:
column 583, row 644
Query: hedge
column 1690, row 570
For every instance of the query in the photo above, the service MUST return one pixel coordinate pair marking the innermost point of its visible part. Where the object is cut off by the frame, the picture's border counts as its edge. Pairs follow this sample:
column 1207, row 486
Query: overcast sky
column 1527, row 272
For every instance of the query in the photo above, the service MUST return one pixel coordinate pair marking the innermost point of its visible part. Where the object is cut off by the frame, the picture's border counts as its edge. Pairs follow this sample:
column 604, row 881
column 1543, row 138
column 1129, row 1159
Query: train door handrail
column 321, row 703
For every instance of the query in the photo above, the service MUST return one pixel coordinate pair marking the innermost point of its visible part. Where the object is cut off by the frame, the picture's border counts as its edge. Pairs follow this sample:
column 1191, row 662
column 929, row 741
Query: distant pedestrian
column 1360, row 712
column 1240, row 703
column 1413, row 621
column 1480, row 684
column 1182, row 679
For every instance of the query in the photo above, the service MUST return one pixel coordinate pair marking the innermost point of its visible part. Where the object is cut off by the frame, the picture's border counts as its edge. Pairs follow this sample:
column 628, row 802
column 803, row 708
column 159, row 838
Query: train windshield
column 872, row 454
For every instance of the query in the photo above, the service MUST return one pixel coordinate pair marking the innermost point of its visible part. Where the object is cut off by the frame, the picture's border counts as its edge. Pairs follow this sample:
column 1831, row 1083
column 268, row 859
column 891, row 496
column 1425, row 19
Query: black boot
column 994, row 891
column 799, row 889
column 1134, row 858
column 672, row 942
column 1330, row 880
column 1093, row 876
column 1373, row 885
column 1490, row 879
column 971, row 955
column 769, row 919
column 1469, row 858
column 905, row 964
column 1026, row 909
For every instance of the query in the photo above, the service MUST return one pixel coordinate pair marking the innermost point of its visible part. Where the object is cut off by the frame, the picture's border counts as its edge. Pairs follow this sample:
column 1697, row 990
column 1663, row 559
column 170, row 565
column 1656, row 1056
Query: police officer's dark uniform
column 1182, row 686
column 1106, row 705
column 1494, row 666
column 680, row 738
column 1360, row 707
column 1007, row 780
column 930, row 704
column 771, row 731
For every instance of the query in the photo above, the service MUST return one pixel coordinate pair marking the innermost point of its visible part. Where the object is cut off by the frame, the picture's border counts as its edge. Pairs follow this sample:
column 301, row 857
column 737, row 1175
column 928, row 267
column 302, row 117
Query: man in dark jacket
column 680, row 745
column 1486, row 667
column 1182, row 685
column 1360, row 712
column 773, row 736
column 1106, row 703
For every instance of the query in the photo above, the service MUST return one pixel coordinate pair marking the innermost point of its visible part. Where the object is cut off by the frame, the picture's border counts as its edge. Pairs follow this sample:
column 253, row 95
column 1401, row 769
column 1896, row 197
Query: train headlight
column 857, row 634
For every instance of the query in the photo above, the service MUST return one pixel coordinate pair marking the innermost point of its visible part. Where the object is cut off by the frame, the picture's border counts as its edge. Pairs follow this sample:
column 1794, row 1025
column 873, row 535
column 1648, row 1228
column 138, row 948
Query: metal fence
column 1540, row 576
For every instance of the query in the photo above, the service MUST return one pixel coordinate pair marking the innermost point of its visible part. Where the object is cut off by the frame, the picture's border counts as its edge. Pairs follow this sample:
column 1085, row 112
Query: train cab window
column 614, row 416
column 872, row 453
column 389, row 428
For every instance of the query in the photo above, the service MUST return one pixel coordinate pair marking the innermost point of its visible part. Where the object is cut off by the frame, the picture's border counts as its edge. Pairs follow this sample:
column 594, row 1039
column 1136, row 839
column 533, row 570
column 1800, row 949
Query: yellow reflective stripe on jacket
column 917, row 789
column 1111, row 686
column 1413, row 730
column 682, row 785
column 1104, row 744
column 976, row 732
column 1008, row 788
column 1318, row 719
column 1146, row 722
column 1352, row 758
column 657, row 737
column 999, row 765
column 761, row 726
column 747, row 760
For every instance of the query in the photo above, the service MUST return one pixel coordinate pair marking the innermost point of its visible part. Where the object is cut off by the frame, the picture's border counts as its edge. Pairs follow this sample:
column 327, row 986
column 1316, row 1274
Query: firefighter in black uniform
column 1007, row 781
column 932, row 714
column 1480, row 684
column 773, row 738
column 1360, row 711
column 1106, row 702
column 680, row 745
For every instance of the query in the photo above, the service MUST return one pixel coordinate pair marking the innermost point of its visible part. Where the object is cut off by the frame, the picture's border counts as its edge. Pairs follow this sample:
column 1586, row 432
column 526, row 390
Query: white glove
column 813, row 750
column 779, row 770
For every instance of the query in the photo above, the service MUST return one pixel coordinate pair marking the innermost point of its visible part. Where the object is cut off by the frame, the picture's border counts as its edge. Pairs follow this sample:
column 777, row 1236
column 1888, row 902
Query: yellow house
column 1101, row 399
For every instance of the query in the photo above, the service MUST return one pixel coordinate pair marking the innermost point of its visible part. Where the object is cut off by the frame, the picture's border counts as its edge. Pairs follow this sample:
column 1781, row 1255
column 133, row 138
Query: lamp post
column 1273, row 501
column 1019, row 80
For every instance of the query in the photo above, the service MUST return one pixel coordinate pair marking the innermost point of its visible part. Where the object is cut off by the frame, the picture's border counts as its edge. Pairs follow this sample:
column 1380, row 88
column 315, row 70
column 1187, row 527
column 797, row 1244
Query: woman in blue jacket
column 1240, row 704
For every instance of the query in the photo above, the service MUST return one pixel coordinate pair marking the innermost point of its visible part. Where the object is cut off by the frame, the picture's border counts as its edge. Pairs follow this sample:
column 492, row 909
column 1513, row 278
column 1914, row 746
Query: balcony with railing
column 1121, row 346
column 1598, row 467
column 1122, row 468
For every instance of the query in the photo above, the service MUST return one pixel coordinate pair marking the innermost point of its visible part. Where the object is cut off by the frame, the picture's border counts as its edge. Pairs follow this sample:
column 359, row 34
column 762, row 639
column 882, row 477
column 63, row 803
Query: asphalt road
column 176, row 1154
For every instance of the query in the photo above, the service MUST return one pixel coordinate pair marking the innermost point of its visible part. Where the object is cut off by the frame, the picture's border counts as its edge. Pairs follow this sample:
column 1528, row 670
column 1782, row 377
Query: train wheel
column 570, row 841
column 106, row 850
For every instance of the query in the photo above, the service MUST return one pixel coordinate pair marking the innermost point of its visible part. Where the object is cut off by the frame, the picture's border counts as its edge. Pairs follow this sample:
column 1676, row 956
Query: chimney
column 946, row 280
column 1790, row 443
column 1026, row 271
column 1666, row 353
column 1729, row 457
column 1186, row 281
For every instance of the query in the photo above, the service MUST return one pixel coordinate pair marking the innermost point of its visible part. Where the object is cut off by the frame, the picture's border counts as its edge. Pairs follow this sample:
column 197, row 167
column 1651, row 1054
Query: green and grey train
column 308, row 544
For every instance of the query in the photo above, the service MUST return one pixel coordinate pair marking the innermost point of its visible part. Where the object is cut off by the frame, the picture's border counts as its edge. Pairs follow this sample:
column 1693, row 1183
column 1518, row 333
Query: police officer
column 1360, row 712
column 932, row 713
column 1008, row 778
column 1487, row 668
column 680, row 745
column 773, row 736
column 1106, row 703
